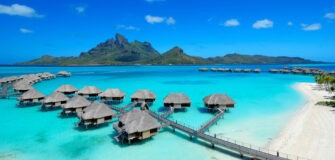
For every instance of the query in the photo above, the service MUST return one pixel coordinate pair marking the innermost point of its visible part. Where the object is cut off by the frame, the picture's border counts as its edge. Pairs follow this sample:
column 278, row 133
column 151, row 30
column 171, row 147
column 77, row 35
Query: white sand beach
column 310, row 133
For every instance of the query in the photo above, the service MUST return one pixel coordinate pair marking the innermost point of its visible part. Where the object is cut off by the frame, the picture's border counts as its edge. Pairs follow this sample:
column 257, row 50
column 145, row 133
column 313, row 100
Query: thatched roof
column 203, row 69
column 22, row 86
column 90, row 90
column 112, row 92
column 77, row 102
column 144, row 94
column 31, row 94
column 55, row 97
column 178, row 98
column 97, row 110
column 64, row 73
column 257, row 70
column 218, row 99
column 138, row 121
column 66, row 88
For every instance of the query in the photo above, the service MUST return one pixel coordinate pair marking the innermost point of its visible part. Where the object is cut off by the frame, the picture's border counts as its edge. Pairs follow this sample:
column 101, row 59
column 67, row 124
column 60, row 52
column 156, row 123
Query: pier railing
column 258, row 148
column 238, row 146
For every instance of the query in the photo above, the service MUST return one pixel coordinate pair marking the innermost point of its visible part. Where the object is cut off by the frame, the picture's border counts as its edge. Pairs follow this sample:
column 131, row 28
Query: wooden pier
column 220, row 142
column 208, row 124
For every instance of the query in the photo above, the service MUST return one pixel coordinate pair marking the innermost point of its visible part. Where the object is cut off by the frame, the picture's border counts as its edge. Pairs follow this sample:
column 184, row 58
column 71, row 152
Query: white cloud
column 19, row 10
column 263, row 24
column 121, row 26
column 24, row 30
column 154, row 0
column 170, row 20
column 312, row 27
column 330, row 15
column 231, row 23
column 80, row 9
column 210, row 19
column 290, row 23
column 152, row 19
column 155, row 19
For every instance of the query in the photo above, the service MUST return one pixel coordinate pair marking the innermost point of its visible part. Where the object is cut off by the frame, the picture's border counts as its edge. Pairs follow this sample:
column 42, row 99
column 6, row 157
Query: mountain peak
column 174, row 51
column 120, row 39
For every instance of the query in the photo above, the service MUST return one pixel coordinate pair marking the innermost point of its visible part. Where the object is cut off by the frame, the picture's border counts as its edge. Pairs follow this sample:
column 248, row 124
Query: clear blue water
column 264, row 103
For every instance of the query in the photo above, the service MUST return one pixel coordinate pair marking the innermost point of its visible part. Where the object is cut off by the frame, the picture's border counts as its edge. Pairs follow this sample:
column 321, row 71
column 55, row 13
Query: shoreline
column 310, row 133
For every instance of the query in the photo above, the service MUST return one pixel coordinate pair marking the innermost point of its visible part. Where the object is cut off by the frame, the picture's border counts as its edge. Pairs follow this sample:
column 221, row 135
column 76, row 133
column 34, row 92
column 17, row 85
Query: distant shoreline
column 310, row 132
column 100, row 65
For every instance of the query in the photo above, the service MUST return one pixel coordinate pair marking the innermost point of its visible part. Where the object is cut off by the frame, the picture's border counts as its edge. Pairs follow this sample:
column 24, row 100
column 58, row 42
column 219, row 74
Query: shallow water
column 264, row 103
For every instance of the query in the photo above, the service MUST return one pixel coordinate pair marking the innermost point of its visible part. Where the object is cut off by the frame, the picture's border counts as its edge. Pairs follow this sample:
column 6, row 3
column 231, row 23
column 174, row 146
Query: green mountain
column 176, row 56
column 119, row 51
column 257, row 59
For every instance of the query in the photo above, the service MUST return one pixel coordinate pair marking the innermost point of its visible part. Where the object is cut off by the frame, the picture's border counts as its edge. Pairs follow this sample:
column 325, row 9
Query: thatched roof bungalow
column 95, row 114
column 218, row 101
column 274, row 70
column 136, row 124
column 238, row 70
column 90, row 92
column 55, row 99
column 143, row 95
column 32, row 96
column 203, row 69
column 64, row 74
column 67, row 89
column 75, row 105
column 247, row 70
column 22, row 87
column 112, row 94
column 257, row 70
column 177, row 100
column 213, row 69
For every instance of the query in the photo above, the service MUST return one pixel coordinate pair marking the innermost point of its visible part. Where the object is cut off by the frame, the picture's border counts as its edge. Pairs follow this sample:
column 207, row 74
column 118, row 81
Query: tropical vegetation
column 119, row 51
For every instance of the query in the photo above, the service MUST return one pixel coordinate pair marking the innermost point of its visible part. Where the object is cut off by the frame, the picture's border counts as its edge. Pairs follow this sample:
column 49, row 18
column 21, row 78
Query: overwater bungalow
column 257, row 70
column 247, row 70
column 47, row 75
column 238, row 70
column 221, row 101
column 64, row 74
column 75, row 105
column 143, row 95
column 31, row 97
column 285, row 71
column 112, row 95
column 4, row 81
column 90, row 92
column 54, row 100
column 213, row 69
column 203, row 69
column 177, row 100
column 22, row 87
column 221, row 70
column 67, row 89
column 94, row 114
column 274, row 71
column 135, row 124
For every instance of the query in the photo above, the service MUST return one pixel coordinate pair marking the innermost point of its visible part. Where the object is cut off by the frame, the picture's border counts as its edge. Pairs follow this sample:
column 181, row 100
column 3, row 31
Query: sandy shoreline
column 310, row 133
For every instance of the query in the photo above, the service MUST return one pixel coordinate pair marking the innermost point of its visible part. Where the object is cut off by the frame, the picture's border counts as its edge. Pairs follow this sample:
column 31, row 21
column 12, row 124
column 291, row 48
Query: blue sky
column 304, row 28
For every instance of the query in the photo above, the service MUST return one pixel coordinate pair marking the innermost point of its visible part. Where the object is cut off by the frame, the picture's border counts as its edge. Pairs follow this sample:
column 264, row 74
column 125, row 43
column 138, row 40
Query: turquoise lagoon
column 264, row 103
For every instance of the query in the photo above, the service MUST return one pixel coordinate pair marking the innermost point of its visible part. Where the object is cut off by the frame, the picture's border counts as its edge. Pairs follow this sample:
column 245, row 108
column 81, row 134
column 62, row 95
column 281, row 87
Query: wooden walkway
column 4, row 91
column 170, row 111
column 232, row 145
column 213, row 140
column 129, row 105
column 208, row 124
